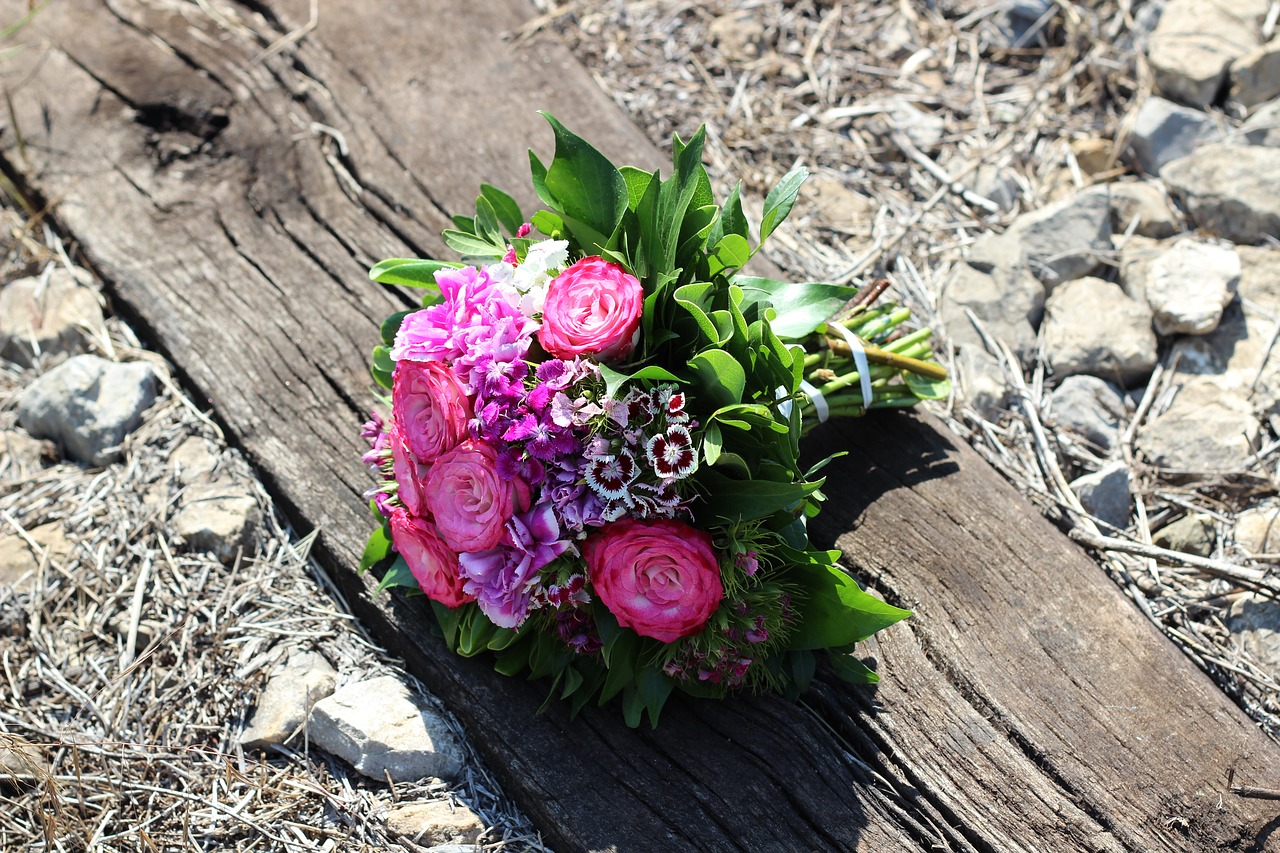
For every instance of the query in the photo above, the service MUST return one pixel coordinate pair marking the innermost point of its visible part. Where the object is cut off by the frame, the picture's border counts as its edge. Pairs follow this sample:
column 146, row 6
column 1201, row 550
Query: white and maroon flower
column 671, row 454
column 610, row 475
column 673, row 402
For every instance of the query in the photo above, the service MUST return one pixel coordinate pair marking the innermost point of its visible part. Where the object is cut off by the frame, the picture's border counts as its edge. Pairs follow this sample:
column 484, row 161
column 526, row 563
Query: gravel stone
column 1230, row 190
column 379, row 728
column 88, row 405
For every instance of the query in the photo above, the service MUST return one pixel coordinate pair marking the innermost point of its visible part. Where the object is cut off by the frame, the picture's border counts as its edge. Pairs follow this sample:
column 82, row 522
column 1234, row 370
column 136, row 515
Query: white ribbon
column 859, row 361
column 820, row 407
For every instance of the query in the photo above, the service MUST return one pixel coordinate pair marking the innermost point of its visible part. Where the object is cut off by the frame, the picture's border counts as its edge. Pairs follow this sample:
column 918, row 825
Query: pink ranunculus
column 409, row 472
column 433, row 563
column 429, row 406
column 592, row 309
column 658, row 577
column 469, row 501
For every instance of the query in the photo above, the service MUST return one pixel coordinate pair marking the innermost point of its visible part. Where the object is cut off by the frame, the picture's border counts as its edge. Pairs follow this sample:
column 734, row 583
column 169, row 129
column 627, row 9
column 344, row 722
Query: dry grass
column 817, row 82
column 128, row 667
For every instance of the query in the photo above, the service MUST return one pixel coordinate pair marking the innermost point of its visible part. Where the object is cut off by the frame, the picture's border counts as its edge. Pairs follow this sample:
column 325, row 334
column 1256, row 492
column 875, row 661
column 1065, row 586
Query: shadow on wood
column 233, row 201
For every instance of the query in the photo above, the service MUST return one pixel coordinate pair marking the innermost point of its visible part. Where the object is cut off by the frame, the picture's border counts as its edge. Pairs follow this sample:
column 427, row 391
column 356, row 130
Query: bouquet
column 591, row 464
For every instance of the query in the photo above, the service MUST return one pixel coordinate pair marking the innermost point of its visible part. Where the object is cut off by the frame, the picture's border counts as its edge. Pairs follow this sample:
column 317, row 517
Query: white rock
column 1255, row 620
column 1136, row 256
column 1008, row 304
column 1189, row 284
column 47, row 317
column 1204, row 430
column 982, row 384
column 1144, row 206
column 1164, row 131
column 738, row 34
column 1192, row 47
column 1255, row 77
column 1230, row 190
column 88, row 405
column 291, row 691
column 193, row 460
column 838, row 205
column 1106, row 494
column 217, row 518
column 435, row 822
column 1263, row 127
column 1191, row 534
column 379, row 728
column 1236, row 354
column 1257, row 530
column 19, row 562
column 1091, row 326
column 1089, row 407
column 1066, row 239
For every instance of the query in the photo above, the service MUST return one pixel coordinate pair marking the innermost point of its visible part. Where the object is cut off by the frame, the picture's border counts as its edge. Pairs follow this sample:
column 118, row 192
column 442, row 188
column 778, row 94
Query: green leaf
column 449, row 619
column 382, row 359
column 504, row 207
column 777, row 204
column 722, row 377
column 391, row 325
column 487, row 222
column 653, row 687
column 409, row 272
column 613, row 380
column 548, row 223
column 637, row 184
column 397, row 575
column 376, row 549
column 471, row 246
column 837, row 611
column 926, row 388
column 712, row 443
column 514, row 659
column 588, row 187
column 731, row 220
column 802, row 306
column 849, row 669
column 743, row 500
column 475, row 634
column 538, row 174
column 734, row 251
column 802, row 665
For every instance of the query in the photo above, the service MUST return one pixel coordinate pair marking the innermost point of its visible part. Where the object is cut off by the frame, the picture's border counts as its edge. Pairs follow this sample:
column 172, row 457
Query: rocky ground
column 176, row 674
column 1082, row 197
column 1084, row 200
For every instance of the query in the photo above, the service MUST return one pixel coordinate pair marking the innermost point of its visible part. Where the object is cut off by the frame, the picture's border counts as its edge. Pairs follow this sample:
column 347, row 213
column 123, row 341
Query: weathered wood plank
column 233, row 204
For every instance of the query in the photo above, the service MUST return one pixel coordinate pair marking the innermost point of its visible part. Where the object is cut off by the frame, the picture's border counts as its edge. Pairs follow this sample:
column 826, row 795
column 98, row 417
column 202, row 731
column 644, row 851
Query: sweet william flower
column 659, row 577
column 592, row 309
column 433, row 564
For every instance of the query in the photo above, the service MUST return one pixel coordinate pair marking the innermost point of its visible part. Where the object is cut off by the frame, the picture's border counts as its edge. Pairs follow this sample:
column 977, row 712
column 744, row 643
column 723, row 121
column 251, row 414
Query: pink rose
column 659, row 577
column 429, row 406
column 409, row 472
column 469, row 501
column 592, row 309
column 433, row 564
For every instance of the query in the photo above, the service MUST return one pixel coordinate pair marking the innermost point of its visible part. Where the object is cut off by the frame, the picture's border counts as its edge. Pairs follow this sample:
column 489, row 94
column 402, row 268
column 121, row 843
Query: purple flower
column 503, row 578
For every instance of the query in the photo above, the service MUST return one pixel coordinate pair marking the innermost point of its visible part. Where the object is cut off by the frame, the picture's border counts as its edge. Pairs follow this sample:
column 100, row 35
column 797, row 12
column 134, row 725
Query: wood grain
column 233, row 203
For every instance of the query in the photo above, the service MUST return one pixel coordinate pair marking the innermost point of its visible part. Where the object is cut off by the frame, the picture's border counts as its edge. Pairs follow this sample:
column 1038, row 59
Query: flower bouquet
column 591, row 464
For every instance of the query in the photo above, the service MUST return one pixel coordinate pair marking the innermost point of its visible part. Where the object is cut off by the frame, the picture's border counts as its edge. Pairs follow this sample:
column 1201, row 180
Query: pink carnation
column 433, row 564
column 592, row 309
column 468, row 500
column 429, row 406
column 658, row 577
